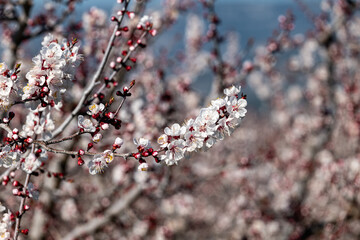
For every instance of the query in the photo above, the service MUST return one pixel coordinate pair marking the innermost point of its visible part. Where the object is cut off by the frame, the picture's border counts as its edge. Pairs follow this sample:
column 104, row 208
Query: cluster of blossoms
column 5, row 222
column 103, row 119
column 8, row 88
column 53, row 72
column 211, row 125
column 100, row 161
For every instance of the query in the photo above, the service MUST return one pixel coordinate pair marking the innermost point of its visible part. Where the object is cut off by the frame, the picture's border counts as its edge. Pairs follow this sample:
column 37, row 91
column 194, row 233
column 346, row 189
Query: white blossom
column 97, row 137
column 12, row 159
column 96, row 108
column 142, row 142
column 86, row 124
column 6, row 85
column 163, row 140
column 232, row 91
column 108, row 156
column 119, row 142
column 143, row 167
column 32, row 162
column 145, row 20
column 237, row 107
column 175, row 131
column 97, row 165
column 175, row 152
column 5, row 226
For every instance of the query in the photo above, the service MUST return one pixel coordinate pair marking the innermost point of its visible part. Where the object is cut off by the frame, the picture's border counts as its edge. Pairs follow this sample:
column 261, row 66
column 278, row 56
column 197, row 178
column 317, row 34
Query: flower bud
column 16, row 183
column 136, row 155
column 90, row 145
column 153, row 32
column 112, row 65
column 15, row 137
column 80, row 161
column 97, row 137
column 104, row 126
column 131, row 15
column 81, row 152
column 15, row 191
column 143, row 167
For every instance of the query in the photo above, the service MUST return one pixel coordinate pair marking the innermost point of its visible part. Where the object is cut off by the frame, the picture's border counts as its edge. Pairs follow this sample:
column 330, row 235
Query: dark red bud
column 24, row 231
column 90, row 145
column 80, row 161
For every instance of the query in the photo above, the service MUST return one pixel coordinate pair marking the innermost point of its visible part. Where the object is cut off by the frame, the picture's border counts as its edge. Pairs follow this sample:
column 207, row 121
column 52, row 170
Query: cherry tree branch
column 123, row 62
column 86, row 153
column 21, row 208
column 96, row 77
column 5, row 127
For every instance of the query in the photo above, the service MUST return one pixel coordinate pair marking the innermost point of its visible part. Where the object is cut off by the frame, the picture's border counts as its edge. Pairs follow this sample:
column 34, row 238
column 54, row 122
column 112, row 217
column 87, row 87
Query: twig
column 96, row 77
column 123, row 62
column 21, row 208
column 5, row 127
column 62, row 151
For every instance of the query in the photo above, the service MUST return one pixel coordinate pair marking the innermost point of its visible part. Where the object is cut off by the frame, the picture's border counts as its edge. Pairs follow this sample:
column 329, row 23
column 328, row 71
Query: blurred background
column 290, row 171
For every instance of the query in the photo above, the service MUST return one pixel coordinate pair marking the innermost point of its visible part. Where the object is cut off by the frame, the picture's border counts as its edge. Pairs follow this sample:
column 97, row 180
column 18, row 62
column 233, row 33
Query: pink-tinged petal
column 167, row 131
column 242, row 112
column 242, row 103
column 175, row 128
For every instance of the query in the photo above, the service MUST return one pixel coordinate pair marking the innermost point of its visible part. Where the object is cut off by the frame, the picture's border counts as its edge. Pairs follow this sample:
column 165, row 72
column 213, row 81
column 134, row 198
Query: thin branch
column 65, row 138
column 96, row 77
column 62, row 151
column 21, row 208
column 120, row 106
column 123, row 62
column 5, row 127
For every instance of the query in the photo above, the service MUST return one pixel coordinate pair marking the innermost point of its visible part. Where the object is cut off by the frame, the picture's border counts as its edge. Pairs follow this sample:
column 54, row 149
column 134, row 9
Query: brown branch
column 21, row 208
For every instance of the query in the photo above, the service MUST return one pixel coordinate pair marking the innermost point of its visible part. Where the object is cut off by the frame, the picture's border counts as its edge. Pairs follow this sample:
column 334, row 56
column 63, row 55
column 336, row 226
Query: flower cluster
column 5, row 223
column 103, row 118
column 8, row 157
column 37, row 123
column 53, row 72
column 8, row 88
column 146, row 23
column 211, row 125
column 34, row 161
column 100, row 161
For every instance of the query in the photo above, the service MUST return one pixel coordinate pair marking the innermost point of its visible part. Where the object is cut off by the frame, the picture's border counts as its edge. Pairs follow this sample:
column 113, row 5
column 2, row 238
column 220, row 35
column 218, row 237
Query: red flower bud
column 90, row 145
column 25, row 231
column 80, row 161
